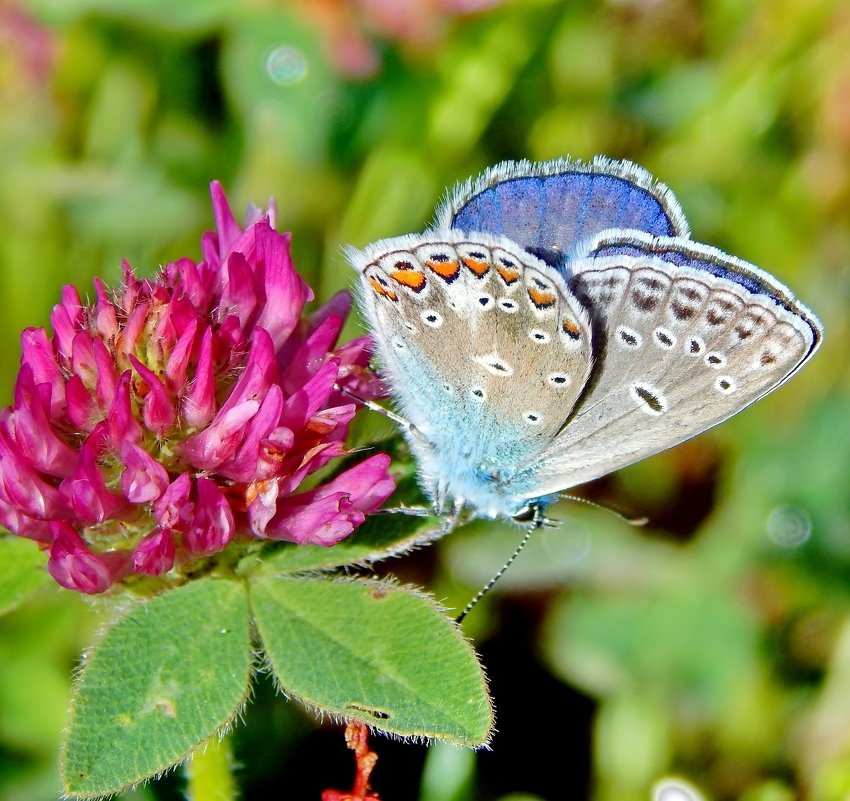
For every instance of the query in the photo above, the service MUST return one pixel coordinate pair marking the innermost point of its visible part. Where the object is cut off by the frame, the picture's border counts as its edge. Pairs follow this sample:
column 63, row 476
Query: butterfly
column 556, row 323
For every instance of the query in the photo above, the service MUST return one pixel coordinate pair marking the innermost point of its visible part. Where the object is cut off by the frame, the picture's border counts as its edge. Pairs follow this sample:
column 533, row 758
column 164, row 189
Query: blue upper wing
column 549, row 208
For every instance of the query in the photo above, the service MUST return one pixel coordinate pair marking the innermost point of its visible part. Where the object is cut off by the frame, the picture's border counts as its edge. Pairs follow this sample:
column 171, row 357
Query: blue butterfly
column 557, row 323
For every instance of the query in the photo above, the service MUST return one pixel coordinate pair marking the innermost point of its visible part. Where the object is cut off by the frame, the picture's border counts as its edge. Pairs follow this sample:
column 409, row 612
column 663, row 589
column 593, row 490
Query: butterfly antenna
column 632, row 521
column 376, row 407
column 490, row 584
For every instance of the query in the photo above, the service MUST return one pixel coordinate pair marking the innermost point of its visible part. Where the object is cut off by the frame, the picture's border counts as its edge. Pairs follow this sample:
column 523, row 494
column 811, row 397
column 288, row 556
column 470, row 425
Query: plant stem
column 209, row 772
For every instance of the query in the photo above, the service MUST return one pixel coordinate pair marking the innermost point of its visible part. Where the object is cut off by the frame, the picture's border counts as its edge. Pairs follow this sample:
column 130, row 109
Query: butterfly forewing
column 485, row 347
column 549, row 208
column 683, row 348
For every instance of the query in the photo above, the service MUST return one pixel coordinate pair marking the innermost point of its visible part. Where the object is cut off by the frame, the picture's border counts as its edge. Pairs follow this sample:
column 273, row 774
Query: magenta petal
column 198, row 283
column 262, row 504
column 177, row 366
column 368, row 482
column 37, row 352
column 307, row 519
column 213, row 525
column 154, row 555
column 226, row 226
column 132, row 287
column 286, row 291
column 106, row 321
column 305, row 402
column 86, row 490
column 312, row 354
column 32, row 430
column 260, row 371
column 23, row 488
column 338, row 306
column 209, row 448
column 212, row 446
column 107, row 376
column 198, row 404
column 243, row 465
column 239, row 295
column 83, row 361
column 67, row 319
column 144, row 479
column 273, row 451
column 332, row 423
column 17, row 522
column 123, row 426
column 136, row 323
column 174, row 509
column 327, row 514
column 81, row 410
column 75, row 567
column 314, row 459
column 158, row 413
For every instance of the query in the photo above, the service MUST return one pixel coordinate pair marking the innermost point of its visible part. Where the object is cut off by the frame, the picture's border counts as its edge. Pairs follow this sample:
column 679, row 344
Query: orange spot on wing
column 476, row 266
column 541, row 299
column 445, row 269
column 571, row 329
column 507, row 274
column 410, row 278
column 381, row 290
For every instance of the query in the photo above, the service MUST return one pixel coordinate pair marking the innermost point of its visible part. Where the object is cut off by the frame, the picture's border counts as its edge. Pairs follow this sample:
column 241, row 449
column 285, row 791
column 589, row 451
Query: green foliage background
column 713, row 644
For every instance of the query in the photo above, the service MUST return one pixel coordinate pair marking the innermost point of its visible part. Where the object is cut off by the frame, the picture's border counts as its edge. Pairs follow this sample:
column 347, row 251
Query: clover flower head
column 179, row 414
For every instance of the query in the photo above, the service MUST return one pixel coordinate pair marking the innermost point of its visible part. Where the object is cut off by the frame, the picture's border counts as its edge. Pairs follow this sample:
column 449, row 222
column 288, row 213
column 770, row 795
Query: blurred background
column 712, row 644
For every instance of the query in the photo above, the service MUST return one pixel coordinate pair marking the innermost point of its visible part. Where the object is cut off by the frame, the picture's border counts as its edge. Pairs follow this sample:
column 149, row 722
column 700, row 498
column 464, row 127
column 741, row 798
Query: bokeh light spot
column 286, row 65
column 789, row 526
column 674, row 790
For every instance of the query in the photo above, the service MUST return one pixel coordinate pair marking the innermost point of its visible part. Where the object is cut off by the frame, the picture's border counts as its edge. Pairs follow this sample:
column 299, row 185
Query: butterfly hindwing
column 688, row 337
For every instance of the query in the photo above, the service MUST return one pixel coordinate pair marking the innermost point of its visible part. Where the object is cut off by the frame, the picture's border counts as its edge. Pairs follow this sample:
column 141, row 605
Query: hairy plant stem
column 209, row 773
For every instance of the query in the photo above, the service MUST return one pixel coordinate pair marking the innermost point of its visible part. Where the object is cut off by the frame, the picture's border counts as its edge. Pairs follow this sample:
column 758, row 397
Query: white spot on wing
column 715, row 360
column 664, row 338
column 432, row 318
column 648, row 398
column 725, row 384
column 628, row 337
column 494, row 364
column 559, row 380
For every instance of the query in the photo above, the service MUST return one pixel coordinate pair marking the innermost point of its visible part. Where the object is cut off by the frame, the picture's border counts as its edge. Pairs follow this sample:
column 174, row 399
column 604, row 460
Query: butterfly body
column 558, row 323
